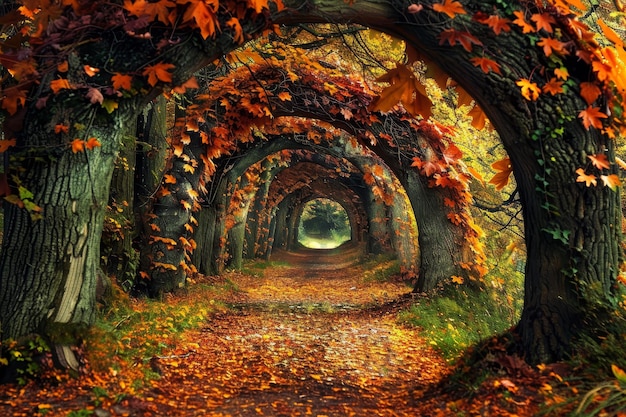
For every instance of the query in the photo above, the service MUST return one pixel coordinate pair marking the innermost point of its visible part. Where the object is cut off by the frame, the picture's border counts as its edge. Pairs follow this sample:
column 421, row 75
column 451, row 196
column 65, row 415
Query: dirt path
column 318, row 337
column 308, row 341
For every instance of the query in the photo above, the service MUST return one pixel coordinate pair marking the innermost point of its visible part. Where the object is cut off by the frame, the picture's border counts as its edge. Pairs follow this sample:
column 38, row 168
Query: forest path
column 311, row 333
column 307, row 339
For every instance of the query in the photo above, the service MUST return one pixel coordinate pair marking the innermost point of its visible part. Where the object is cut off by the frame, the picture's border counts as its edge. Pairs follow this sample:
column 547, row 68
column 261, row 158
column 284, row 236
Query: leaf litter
column 311, row 337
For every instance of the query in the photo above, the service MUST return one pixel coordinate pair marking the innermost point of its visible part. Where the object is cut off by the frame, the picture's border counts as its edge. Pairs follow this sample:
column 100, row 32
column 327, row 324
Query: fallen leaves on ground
column 314, row 338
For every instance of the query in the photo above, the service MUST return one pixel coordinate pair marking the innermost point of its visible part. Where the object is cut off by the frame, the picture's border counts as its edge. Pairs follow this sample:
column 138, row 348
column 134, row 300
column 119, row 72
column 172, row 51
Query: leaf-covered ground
column 319, row 337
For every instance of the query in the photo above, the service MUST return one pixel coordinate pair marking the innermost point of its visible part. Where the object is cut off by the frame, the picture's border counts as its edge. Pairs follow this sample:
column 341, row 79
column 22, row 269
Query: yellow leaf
column 109, row 105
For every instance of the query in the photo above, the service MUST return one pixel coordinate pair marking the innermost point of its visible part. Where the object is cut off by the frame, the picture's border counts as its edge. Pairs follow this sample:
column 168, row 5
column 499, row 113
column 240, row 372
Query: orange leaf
column 497, row 23
column 169, row 179
column 452, row 154
column 610, row 34
column 90, row 71
column 61, row 128
column 543, row 21
column 457, row 279
column 620, row 162
column 234, row 24
column 561, row 73
column 553, row 87
column 453, row 36
column 204, row 13
column 121, row 81
column 258, row 5
column 592, row 116
column 587, row 179
column 78, row 145
column 190, row 83
column 599, row 161
column 284, row 96
column 92, row 143
column 479, row 118
column 476, row 174
column 158, row 72
column 450, row 8
column 550, row 45
column 6, row 144
column 186, row 205
column 63, row 66
column 589, row 92
column 59, row 84
column 486, row 64
column 530, row 90
column 521, row 22
column 501, row 179
column 612, row 181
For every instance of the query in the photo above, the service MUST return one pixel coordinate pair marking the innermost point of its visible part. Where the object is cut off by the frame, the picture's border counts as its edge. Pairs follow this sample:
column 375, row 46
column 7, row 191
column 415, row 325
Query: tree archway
column 573, row 236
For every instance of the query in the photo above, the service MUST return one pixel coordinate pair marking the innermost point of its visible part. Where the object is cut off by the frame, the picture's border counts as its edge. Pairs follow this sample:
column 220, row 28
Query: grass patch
column 131, row 331
column 459, row 317
column 258, row 266
column 380, row 268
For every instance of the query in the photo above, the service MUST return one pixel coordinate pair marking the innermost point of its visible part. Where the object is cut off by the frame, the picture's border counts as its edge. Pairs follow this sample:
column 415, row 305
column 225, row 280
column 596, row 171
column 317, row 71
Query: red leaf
column 452, row 36
column 452, row 154
column 13, row 99
column 121, row 81
column 497, row 23
column 589, row 92
column 6, row 144
column 486, row 64
column 95, row 96
column 92, row 143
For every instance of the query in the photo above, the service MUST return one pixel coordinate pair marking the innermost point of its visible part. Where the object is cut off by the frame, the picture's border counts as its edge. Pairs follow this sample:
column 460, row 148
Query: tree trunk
column 49, row 266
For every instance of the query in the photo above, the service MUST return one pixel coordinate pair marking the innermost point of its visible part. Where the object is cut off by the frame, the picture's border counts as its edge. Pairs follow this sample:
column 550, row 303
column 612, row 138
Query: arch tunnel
column 413, row 197
column 269, row 186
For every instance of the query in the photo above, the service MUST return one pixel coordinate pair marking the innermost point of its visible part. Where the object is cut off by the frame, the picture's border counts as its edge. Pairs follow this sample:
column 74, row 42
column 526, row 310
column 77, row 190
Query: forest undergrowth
column 302, row 336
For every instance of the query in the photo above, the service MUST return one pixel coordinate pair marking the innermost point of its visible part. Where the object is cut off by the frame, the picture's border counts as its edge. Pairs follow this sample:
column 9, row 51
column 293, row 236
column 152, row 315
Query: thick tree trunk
column 49, row 266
